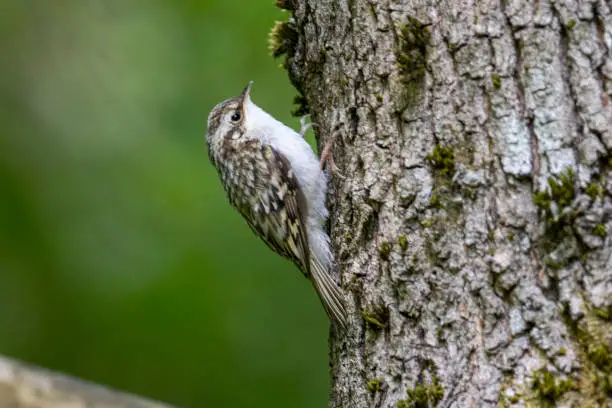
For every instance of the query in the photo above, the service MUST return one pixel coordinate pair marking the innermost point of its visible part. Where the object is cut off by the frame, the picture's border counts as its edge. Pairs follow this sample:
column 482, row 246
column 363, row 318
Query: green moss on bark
column 282, row 39
column 385, row 250
column 496, row 80
column 549, row 388
column 424, row 395
column 374, row 385
column 591, row 336
column 442, row 159
column 411, row 56
column 376, row 317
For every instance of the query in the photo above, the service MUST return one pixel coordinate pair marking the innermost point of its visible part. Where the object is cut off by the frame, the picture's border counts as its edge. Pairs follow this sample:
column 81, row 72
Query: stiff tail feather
column 329, row 292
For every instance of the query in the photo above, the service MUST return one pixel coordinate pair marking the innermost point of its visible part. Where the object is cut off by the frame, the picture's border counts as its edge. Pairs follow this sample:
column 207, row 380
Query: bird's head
column 229, row 118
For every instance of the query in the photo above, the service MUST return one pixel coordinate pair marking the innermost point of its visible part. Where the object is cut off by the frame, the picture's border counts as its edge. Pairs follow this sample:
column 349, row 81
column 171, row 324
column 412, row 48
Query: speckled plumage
column 273, row 178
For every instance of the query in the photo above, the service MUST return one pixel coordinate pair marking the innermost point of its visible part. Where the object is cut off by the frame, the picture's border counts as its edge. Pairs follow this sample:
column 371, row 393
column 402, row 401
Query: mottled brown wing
column 274, row 205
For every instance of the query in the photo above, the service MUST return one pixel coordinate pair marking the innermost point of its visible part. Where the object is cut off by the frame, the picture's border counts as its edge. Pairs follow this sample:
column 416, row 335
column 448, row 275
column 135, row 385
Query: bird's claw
column 305, row 126
column 328, row 157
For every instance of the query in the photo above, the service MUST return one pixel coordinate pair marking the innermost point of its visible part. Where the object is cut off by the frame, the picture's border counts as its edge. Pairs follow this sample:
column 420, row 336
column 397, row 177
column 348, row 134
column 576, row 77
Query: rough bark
column 24, row 386
column 472, row 230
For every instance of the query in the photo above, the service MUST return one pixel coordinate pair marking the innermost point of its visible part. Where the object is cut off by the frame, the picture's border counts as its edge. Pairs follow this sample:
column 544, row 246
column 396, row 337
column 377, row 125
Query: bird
column 273, row 178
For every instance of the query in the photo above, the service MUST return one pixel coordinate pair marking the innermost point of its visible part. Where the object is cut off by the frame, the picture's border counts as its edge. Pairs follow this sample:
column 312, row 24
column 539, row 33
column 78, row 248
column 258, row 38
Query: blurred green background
column 120, row 259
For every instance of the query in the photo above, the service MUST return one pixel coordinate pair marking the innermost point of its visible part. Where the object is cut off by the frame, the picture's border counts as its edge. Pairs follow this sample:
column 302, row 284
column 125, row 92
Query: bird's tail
column 330, row 293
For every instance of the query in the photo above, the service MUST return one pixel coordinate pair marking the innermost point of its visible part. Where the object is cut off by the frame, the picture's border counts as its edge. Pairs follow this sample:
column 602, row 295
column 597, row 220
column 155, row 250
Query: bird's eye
column 236, row 117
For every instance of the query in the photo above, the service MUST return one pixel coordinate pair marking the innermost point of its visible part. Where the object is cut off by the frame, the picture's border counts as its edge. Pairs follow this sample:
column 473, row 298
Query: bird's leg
column 305, row 126
column 328, row 157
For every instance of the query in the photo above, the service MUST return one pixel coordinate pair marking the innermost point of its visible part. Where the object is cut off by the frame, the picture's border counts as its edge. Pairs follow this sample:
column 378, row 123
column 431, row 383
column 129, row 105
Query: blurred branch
column 25, row 386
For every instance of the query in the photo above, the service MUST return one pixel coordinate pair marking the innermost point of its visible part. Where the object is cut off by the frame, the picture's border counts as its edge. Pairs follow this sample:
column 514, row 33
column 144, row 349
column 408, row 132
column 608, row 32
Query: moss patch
column 371, row 320
column 285, row 5
column 604, row 313
column 403, row 242
column 600, row 356
column 374, row 385
column 561, row 191
column 376, row 317
column 302, row 107
column 496, row 80
column 434, row 200
column 549, row 388
column 282, row 39
column 427, row 222
column 600, row 230
column 593, row 348
column 443, row 160
column 444, row 200
column 411, row 56
column 384, row 250
column 514, row 399
column 424, row 395
column 554, row 203
column 594, row 190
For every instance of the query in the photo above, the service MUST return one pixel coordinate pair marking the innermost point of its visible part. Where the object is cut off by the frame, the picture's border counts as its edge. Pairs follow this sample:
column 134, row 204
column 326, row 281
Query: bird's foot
column 305, row 126
column 327, row 157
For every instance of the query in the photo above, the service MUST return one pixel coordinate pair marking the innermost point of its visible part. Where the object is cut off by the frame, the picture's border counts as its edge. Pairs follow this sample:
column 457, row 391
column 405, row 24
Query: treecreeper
column 273, row 178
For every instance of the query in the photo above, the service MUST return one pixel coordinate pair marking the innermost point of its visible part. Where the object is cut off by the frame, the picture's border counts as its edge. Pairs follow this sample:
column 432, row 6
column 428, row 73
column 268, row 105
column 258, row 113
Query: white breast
column 305, row 165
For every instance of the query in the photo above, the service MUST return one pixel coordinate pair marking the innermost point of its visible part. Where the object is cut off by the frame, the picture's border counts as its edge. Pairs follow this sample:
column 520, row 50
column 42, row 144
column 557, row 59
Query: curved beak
column 245, row 95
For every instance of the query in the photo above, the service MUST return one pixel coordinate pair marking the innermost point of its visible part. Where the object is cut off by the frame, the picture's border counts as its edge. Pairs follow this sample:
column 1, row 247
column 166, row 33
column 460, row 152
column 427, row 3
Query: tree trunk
column 472, row 230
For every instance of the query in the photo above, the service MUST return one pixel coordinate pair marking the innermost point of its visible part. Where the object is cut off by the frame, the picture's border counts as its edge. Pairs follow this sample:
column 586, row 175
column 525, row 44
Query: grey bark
column 24, row 386
column 472, row 231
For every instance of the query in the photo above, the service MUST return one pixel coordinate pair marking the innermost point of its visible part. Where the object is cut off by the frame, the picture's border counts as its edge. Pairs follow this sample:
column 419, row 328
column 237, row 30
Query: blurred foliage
column 120, row 258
